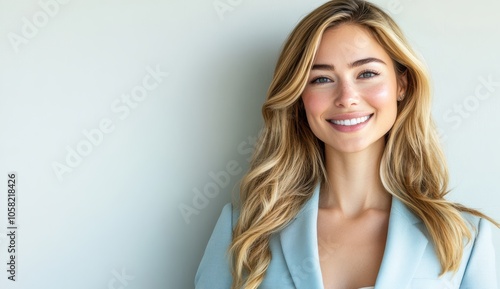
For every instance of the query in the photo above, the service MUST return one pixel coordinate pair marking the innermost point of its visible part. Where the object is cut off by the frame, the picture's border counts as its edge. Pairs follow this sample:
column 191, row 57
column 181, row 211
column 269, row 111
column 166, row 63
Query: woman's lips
column 350, row 124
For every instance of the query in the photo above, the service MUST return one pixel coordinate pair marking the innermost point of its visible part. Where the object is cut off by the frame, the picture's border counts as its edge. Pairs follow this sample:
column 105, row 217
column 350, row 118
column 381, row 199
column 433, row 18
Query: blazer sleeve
column 214, row 269
column 480, row 271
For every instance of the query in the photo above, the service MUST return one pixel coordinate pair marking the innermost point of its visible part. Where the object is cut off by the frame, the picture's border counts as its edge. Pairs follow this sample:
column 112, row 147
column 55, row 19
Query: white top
column 368, row 288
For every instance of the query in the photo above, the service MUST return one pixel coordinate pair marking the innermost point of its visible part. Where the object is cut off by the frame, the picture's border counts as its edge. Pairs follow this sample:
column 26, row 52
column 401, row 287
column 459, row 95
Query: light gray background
column 118, row 210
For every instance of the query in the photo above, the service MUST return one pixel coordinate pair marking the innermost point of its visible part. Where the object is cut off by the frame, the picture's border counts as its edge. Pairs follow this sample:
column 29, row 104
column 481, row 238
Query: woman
column 346, row 187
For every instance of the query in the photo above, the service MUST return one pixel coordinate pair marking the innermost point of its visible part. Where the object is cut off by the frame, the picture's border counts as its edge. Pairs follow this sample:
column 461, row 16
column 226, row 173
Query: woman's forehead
column 347, row 43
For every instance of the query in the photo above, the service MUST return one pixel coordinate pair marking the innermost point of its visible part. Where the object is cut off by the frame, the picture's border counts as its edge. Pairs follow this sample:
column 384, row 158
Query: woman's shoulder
column 479, row 269
column 227, row 219
column 213, row 271
column 477, row 224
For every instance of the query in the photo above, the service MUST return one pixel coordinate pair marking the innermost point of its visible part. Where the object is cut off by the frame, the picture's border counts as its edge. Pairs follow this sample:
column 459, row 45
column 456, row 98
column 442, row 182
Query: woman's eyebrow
column 354, row 64
column 365, row 61
column 323, row 67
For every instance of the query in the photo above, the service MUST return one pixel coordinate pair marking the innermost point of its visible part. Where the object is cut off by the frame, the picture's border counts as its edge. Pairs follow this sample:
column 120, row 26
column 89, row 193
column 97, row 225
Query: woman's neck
column 354, row 183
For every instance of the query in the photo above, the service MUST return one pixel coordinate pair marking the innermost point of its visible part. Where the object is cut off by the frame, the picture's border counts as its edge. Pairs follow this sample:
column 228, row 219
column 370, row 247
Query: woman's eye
column 321, row 80
column 368, row 74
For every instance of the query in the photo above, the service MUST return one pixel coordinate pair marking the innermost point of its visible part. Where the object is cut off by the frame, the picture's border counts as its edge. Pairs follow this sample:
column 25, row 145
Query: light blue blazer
column 409, row 260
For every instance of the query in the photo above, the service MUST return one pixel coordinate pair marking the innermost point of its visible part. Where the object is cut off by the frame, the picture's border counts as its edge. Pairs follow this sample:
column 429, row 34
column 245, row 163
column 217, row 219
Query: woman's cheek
column 380, row 95
column 314, row 103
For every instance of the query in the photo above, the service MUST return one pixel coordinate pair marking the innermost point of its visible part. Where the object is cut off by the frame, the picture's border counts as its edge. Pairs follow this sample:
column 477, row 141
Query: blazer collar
column 299, row 241
column 405, row 246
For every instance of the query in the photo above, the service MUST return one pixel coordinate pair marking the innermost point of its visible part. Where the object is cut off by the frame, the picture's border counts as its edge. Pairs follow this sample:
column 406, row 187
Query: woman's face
column 352, row 91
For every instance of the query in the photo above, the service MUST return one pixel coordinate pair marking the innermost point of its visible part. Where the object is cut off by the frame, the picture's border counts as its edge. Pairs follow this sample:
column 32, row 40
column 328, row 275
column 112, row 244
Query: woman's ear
column 402, row 85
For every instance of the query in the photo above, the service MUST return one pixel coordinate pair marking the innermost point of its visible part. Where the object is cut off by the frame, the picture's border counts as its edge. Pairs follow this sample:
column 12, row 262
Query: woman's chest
column 351, row 251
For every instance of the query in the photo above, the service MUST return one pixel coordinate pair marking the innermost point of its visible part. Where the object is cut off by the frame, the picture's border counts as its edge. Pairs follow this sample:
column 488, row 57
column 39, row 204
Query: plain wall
column 175, row 89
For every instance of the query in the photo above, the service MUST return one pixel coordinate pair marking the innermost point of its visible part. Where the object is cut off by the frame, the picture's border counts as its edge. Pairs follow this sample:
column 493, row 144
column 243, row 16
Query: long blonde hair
column 288, row 162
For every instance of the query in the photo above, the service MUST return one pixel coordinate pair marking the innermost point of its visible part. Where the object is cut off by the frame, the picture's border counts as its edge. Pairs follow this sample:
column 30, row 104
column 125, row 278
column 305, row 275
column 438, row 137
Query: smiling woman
column 347, row 185
column 350, row 110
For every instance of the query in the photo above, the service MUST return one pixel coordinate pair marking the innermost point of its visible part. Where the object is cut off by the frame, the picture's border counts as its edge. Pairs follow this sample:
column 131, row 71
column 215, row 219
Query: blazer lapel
column 404, row 248
column 300, row 246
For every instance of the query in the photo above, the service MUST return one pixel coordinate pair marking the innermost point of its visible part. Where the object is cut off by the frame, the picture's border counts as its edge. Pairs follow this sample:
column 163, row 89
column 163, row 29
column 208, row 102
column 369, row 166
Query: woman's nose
column 346, row 96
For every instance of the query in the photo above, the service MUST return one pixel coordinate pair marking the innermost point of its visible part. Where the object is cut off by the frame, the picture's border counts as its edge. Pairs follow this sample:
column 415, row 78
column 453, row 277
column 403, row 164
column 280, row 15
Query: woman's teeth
column 349, row 122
